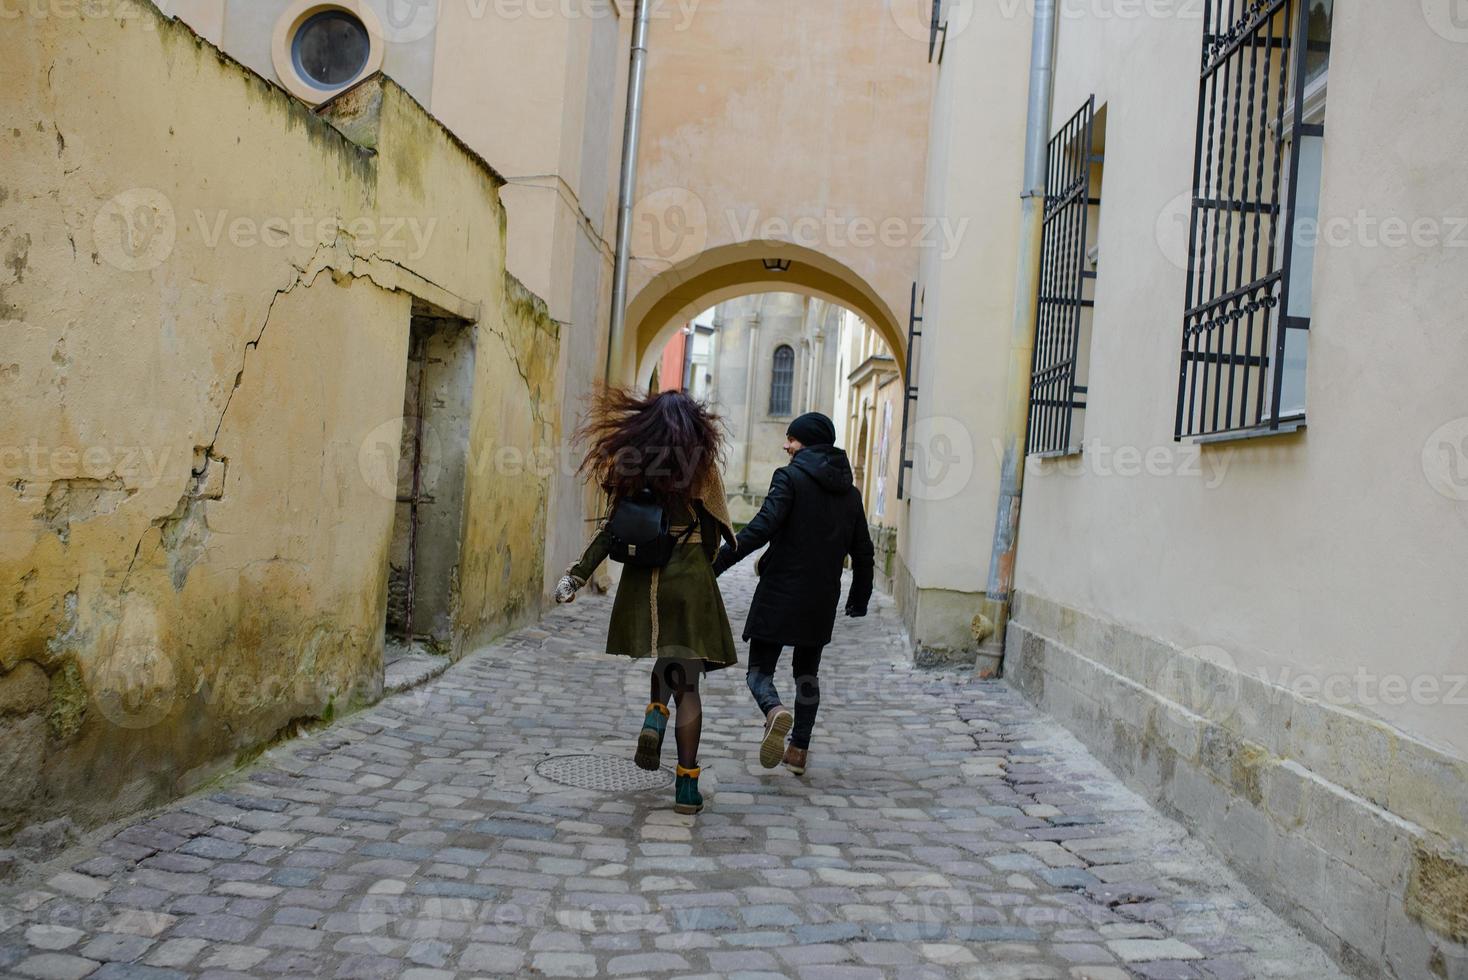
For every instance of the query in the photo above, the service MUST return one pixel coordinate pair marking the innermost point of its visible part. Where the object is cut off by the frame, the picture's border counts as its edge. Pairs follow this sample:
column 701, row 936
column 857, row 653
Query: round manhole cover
column 601, row 774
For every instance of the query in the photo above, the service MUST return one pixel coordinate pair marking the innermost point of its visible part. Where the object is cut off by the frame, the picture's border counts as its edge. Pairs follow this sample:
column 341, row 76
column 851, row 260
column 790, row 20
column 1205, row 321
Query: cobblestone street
column 944, row 829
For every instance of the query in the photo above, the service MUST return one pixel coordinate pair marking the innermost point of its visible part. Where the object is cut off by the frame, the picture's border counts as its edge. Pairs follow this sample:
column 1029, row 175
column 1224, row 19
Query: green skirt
column 673, row 611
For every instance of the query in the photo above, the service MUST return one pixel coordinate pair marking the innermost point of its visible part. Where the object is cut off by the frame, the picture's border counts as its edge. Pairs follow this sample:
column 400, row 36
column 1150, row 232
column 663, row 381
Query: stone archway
column 679, row 293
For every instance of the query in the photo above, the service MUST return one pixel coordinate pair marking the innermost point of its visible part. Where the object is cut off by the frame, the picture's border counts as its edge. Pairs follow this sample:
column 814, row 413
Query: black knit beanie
column 812, row 429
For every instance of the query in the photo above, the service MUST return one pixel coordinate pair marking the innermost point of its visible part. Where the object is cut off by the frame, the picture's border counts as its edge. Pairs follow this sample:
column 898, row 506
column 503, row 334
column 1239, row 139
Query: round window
column 331, row 48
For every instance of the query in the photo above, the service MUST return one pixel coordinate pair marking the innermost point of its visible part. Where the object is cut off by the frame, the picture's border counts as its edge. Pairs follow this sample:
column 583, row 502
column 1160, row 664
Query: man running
column 812, row 520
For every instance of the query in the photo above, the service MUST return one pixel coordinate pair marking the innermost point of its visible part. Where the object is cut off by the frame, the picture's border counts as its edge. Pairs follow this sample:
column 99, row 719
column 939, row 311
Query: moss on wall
column 68, row 708
column 509, row 482
column 1437, row 893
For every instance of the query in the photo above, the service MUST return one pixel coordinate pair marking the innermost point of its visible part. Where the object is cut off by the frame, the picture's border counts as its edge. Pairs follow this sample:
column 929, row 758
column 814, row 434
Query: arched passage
column 679, row 293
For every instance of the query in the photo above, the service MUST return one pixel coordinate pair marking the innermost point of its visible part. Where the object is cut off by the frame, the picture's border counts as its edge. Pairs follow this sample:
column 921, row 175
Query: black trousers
column 764, row 657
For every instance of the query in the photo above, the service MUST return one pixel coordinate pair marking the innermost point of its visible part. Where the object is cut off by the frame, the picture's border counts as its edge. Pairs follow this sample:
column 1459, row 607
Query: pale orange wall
column 670, row 368
column 760, row 113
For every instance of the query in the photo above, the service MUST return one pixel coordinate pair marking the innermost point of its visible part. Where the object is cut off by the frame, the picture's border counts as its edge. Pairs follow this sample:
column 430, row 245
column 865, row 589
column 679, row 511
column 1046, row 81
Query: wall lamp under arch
column 776, row 265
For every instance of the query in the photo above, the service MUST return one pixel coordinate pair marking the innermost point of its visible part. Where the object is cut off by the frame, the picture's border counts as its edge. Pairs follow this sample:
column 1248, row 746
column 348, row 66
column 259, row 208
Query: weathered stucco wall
column 539, row 89
column 207, row 294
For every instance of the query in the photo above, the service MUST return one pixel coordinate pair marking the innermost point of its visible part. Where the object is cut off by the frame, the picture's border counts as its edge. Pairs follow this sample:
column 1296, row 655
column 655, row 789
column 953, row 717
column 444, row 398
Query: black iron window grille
column 939, row 26
column 1066, row 287
column 1255, row 177
column 910, row 390
column 782, row 380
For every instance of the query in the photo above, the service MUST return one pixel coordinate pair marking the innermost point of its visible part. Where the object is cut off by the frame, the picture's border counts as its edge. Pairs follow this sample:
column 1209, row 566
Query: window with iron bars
column 1066, row 297
column 1256, row 180
column 782, row 380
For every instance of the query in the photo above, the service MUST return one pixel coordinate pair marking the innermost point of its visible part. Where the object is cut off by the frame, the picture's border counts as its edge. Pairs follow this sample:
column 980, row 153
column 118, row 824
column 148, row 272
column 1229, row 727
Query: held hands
column 565, row 590
column 724, row 560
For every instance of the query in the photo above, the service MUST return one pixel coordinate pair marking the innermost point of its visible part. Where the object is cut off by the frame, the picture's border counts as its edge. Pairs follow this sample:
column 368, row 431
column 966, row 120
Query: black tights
column 679, row 677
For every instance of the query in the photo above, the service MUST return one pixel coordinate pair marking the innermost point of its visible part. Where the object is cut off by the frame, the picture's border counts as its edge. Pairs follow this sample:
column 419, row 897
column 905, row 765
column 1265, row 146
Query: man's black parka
column 812, row 519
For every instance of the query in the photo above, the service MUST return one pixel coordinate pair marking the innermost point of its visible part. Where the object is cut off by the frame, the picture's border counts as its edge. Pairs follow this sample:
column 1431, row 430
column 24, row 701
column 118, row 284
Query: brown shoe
column 795, row 760
column 777, row 726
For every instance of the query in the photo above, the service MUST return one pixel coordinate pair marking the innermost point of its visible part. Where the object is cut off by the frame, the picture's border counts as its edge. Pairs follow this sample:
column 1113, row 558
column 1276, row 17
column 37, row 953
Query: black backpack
column 638, row 532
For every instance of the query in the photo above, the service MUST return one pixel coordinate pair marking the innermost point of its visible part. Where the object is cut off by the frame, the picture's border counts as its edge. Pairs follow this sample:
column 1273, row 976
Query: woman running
column 662, row 450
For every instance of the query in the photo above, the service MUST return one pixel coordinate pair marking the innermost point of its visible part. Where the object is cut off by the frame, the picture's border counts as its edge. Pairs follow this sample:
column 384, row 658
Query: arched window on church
column 782, row 380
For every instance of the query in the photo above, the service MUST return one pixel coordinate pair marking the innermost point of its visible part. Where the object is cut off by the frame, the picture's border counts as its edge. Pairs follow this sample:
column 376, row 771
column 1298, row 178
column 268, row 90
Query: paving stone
column 216, row 927
column 212, row 848
column 1142, row 950
column 842, row 972
column 743, row 960
column 175, row 952
column 295, row 915
column 173, row 861
column 229, row 957
column 947, row 954
column 78, row 885
column 831, row 932
column 646, row 963
column 884, row 954
column 53, row 937
column 296, row 963
column 816, row 954
column 514, row 828
column 56, row 966
column 565, row 964
column 1069, row 878
column 135, row 971
column 110, row 946
column 704, row 919
column 1167, row 970
column 368, row 967
column 197, row 904
column 769, row 915
column 492, row 958
column 289, row 937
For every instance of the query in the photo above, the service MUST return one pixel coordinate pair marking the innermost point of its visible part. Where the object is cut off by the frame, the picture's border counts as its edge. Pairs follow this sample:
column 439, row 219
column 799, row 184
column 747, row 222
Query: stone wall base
column 1350, row 829
column 940, row 622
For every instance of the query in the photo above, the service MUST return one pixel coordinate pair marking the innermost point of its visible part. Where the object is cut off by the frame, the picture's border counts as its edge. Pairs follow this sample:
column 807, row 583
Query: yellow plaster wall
column 206, row 297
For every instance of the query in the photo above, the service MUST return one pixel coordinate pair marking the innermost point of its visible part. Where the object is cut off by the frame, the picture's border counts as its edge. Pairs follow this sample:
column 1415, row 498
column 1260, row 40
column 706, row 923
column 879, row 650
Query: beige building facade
column 868, row 415
column 1238, row 572
column 965, row 298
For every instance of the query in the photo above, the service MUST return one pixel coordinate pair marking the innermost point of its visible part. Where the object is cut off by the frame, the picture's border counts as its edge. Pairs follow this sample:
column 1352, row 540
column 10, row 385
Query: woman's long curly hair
column 664, row 442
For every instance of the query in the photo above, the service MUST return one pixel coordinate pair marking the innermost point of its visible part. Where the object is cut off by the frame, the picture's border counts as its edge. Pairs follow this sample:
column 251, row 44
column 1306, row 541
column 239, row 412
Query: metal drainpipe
column 1022, row 330
column 636, row 74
